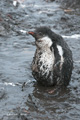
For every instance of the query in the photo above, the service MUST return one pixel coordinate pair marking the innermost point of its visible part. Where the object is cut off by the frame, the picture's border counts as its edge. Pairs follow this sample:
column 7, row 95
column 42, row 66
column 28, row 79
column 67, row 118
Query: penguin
column 52, row 63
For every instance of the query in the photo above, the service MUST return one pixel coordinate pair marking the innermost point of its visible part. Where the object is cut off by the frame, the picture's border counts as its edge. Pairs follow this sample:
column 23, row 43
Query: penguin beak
column 31, row 33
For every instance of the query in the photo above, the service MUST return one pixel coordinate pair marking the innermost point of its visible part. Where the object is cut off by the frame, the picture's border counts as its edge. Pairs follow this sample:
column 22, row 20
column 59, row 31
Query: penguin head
column 42, row 37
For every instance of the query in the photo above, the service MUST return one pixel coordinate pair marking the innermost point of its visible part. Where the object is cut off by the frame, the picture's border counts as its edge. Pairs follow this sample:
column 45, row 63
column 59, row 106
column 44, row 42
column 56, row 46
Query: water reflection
column 18, row 89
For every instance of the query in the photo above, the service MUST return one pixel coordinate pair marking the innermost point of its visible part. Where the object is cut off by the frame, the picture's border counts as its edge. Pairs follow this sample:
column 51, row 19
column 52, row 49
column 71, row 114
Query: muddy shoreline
column 70, row 4
column 20, row 97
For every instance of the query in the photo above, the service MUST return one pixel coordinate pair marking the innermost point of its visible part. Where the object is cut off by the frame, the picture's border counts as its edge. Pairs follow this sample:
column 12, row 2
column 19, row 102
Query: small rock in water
column 23, row 31
column 2, row 93
column 2, row 31
column 15, row 3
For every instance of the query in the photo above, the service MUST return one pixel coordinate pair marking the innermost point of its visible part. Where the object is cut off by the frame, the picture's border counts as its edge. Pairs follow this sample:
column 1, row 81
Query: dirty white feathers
column 47, row 59
column 60, row 50
column 47, row 40
column 44, row 42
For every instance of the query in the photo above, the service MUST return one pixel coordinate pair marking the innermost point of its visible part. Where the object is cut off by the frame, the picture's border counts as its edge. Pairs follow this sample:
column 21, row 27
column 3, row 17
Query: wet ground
column 20, row 97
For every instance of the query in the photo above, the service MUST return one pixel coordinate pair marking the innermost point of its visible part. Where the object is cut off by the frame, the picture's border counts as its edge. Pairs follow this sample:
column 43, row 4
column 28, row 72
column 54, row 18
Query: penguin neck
column 44, row 49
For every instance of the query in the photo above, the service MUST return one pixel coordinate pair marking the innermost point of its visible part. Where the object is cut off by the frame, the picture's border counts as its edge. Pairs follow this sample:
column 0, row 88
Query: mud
column 20, row 97
column 70, row 3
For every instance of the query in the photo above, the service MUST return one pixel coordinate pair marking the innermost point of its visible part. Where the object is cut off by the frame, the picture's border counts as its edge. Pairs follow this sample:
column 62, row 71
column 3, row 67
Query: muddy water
column 20, row 97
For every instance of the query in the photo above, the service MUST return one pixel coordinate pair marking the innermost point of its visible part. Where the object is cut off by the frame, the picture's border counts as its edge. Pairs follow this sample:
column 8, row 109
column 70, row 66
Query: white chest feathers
column 47, row 61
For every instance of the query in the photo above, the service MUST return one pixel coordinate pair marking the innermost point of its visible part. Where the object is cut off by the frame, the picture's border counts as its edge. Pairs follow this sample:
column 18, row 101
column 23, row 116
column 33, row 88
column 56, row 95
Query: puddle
column 20, row 97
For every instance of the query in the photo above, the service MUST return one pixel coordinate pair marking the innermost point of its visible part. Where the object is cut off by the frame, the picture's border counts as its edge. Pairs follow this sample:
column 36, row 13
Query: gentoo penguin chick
column 52, row 63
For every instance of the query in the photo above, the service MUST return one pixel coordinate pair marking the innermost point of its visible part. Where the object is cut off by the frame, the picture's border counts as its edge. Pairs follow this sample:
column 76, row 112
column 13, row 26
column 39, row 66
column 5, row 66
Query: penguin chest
column 43, row 63
column 46, row 61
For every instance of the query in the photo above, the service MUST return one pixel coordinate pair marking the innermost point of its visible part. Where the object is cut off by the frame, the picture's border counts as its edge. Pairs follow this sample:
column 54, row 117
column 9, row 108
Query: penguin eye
column 40, row 33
